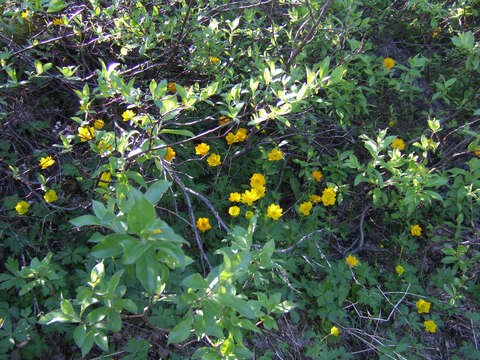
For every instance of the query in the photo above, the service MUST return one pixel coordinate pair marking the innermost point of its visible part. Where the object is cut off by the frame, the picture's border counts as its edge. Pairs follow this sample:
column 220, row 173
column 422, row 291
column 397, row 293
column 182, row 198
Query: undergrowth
column 240, row 180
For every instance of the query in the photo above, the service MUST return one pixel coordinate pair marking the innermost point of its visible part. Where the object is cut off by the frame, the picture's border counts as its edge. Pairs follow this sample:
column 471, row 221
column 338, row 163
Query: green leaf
column 141, row 214
column 135, row 176
column 114, row 321
column 132, row 250
column 181, row 331
column 449, row 260
column 186, row 133
column 156, row 191
column 99, row 209
column 101, row 340
column 79, row 335
column 113, row 283
column 248, row 309
column 85, row 220
column 97, row 315
column 87, row 343
column 126, row 304
column 55, row 316
column 110, row 246
column 195, row 281
column 67, row 308
column 147, row 271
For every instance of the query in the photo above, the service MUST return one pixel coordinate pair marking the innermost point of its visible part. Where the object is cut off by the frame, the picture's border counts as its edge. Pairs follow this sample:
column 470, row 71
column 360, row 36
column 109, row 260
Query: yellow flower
column 249, row 196
column 392, row 123
column 315, row 198
column 106, row 177
column 430, row 326
column 50, row 196
column 241, row 134
column 203, row 224
column 329, row 196
column 317, row 175
column 231, row 139
column 388, row 63
column 1, row 322
column 477, row 151
column 25, row 14
column 234, row 211
column 223, row 120
column 435, row 33
column 98, row 124
column 172, row 87
column 334, row 331
column 305, row 208
column 260, row 191
column 213, row 160
column 399, row 269
column 86, row 133
column 58, row 22
column 423, row 306
column 274, row 211
column 157, row 231
column 275, row 155
column 249, row 214
column 46, row 162
column 351, row 260
column 127, row 115
column 257, row 181
column 416, row 230
column 398, row 144
column 213, row 59
column 202, row 149
column 22, row 207
column 170, row 154
column 235, row 197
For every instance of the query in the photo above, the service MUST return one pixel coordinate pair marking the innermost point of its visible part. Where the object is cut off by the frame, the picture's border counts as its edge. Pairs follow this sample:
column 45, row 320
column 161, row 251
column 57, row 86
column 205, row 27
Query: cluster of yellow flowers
column 239, row 136
column 203, row 149
column 423, row 307
column 257, row 191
